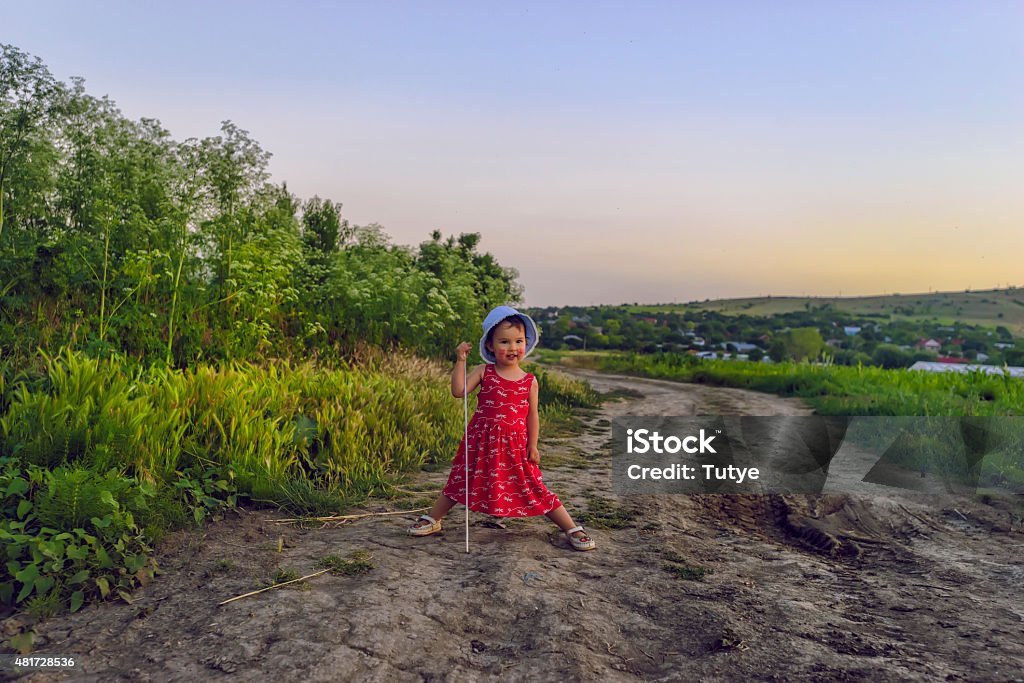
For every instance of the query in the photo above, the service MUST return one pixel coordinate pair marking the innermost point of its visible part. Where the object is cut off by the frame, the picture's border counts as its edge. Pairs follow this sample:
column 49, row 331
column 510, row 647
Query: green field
column 830, row 389
column 852, row 391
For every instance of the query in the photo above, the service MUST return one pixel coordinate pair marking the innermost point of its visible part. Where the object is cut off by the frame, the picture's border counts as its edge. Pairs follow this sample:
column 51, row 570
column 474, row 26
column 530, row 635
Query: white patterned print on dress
column 503, row 482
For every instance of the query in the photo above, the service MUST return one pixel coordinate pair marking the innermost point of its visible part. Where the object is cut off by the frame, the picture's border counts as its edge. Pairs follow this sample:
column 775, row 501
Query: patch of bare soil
column 837, row 587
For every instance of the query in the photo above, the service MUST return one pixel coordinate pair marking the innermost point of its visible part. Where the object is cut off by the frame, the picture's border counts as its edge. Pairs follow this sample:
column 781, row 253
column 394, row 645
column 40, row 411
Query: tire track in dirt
column 831, row 587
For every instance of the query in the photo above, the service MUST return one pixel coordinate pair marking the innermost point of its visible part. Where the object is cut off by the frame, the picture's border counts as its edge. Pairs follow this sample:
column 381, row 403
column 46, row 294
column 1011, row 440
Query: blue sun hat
column 496, row 316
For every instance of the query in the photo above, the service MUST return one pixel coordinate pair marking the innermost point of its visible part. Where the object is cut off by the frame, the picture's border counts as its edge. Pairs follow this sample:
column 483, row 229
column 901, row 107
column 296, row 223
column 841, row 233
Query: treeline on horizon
column 816, row 333
column 117, row 239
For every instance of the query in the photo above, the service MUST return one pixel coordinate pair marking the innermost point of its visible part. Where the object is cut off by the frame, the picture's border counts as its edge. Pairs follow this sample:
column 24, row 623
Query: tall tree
column 323, row 229
column 27, row 99
column 234, row 171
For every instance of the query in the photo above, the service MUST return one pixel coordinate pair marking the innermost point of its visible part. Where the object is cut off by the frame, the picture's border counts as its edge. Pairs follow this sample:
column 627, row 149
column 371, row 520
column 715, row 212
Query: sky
column 611, row 152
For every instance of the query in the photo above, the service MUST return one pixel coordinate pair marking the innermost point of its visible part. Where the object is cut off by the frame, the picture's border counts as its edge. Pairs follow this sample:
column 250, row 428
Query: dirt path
column 825, row 588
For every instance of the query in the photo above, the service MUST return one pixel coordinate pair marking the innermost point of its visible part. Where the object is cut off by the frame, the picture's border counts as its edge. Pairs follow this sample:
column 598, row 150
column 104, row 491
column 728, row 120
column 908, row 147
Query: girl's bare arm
column 459, row 371
column 533, row 424
column 472, row 382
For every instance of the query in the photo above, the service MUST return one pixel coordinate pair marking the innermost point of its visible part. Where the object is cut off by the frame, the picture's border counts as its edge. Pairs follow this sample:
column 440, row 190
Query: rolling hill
column 991, row 307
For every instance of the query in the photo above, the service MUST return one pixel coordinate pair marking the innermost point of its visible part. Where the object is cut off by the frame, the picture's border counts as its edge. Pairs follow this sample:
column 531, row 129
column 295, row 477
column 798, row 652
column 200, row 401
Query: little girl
column 504, row 477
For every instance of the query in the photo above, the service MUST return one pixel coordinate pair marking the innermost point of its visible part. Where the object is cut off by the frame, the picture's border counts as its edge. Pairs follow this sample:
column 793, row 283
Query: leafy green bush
column 60, row 555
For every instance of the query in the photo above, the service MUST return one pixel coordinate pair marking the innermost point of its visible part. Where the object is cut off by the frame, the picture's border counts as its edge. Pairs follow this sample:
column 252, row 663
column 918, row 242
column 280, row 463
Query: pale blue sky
column 611, row 152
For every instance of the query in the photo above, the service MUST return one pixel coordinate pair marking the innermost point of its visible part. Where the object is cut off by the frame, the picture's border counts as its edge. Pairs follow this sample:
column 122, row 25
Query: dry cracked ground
column 836, row 587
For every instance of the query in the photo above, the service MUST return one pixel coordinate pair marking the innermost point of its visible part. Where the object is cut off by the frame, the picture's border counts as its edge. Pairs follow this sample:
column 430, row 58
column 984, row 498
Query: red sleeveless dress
column 502, row 482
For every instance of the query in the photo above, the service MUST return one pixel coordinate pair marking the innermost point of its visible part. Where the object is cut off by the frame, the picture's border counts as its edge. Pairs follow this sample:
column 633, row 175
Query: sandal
column 432, row 527
column 584, row 542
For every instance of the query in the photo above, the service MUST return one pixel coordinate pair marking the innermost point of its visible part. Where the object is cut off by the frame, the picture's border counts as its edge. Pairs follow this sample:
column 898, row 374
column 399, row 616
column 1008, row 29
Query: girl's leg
column 560, row 516
column 441, row 507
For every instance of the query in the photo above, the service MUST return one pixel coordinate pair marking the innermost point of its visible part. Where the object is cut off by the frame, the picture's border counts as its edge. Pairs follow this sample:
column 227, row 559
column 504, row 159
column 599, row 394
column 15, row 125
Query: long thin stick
column 270, row 588
column 338, row 518
column 465, row 442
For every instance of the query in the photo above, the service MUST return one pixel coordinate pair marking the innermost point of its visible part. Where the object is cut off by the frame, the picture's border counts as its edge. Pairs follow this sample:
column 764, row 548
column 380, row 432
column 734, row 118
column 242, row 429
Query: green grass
column 561, row 398
column 832, row 390
column 223, row 565
column 287, row 431
column 358, row 562
column 677, row 565
column 286, row 575
column 603, row 513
